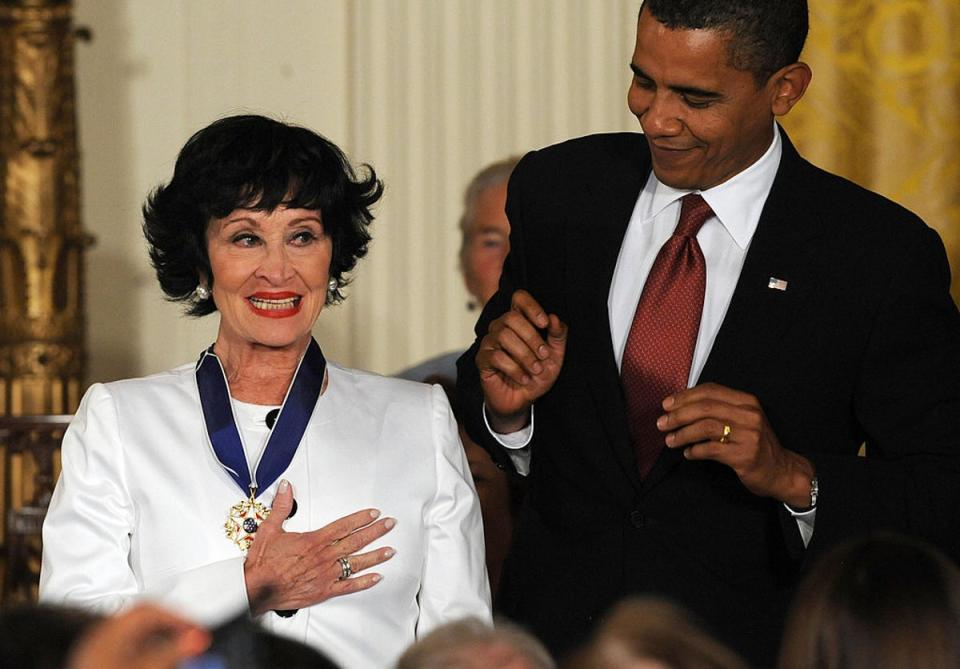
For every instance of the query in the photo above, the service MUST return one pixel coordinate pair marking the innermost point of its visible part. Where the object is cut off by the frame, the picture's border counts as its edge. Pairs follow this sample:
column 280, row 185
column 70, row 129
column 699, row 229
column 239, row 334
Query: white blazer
column 141, row 502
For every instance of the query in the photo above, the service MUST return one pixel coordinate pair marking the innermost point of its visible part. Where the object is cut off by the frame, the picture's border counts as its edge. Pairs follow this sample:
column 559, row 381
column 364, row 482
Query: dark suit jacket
column 863, row 346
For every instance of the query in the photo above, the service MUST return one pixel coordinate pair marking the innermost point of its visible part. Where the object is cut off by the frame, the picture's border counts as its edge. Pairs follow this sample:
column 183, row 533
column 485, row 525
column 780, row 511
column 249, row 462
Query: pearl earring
column 201, row 293
column 332, row 295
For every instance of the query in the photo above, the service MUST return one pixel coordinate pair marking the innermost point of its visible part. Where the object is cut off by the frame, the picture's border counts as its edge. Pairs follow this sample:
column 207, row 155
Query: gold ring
column 727, row 431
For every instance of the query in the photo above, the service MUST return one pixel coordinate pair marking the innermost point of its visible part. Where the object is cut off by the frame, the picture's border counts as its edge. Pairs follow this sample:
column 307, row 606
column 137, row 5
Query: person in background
column 253, row 479
column 696, row 330
column 651, row 633
column 145, row 636
column 41, row 636
column 484, row 244
column 877, row 602
column 472, row 644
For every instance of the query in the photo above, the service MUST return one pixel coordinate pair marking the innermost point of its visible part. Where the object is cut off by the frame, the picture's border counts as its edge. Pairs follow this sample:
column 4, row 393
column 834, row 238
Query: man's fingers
column 687, row 414
column 523, row 302
column 709, row 392
column 706, row 451
column 502, row 363
column 557, row 333
column 514, row 323
column 709, row 429
column 522, row 352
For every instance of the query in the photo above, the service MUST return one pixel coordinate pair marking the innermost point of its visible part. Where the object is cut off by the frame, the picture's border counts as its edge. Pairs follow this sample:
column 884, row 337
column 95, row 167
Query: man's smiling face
column 704, row 120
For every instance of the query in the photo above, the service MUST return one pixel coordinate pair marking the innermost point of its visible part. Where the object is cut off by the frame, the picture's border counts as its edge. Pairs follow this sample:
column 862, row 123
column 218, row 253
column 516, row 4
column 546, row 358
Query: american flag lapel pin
column 776, row 284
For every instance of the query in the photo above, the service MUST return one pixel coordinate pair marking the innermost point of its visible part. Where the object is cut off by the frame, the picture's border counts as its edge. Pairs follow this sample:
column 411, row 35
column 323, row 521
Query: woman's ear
column 789, row 84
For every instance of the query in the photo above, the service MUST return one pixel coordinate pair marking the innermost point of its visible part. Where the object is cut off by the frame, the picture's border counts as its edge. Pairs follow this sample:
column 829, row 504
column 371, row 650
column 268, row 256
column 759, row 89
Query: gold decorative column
column 42, row 357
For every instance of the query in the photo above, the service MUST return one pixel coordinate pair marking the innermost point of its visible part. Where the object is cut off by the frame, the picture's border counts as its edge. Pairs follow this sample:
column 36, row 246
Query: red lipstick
column 275, row 305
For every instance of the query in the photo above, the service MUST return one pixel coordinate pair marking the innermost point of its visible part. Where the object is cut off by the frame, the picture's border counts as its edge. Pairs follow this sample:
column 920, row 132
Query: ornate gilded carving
column 41, row 239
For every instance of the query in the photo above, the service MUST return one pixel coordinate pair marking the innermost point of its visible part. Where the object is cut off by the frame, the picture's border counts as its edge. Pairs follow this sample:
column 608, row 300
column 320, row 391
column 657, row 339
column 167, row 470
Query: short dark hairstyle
column 40, row 635
column 765, row 35
column 878, row 601
column 258, row 163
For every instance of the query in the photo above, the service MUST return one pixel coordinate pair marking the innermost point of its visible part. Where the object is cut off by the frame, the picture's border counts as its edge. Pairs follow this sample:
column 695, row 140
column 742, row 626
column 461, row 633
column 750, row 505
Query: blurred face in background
column 486, row 243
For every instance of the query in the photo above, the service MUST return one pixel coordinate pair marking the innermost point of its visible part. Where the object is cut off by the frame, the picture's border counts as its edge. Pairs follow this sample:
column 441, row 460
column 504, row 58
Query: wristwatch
column 814, row 494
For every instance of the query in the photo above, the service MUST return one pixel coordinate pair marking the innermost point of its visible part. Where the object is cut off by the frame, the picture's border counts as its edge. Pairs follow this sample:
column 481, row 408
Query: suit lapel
column 592, row 249
column 759, row 314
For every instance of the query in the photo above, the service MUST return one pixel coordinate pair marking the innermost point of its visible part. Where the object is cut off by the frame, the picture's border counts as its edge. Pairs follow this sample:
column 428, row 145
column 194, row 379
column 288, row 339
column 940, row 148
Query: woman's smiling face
column 270, row 273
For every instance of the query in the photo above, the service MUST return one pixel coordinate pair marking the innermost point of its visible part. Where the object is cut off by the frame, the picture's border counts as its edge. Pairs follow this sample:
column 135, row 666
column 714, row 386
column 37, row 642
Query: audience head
column 649, row 633
column 146, row 636
column 472, row 644
column 41, row 637
column 257, row 163
column 485, row 230
column 878, row 602
column 764, row 36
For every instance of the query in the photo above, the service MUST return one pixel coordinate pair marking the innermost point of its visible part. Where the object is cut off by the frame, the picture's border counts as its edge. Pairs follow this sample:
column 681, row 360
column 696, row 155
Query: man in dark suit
column 809, row 319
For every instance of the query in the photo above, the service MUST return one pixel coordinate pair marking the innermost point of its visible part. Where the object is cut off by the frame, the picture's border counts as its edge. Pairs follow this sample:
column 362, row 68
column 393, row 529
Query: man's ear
column 788, row 86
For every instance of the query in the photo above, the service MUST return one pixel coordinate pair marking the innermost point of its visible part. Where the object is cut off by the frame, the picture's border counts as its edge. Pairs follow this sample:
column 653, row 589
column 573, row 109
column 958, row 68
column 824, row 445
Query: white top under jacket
column 140, row 506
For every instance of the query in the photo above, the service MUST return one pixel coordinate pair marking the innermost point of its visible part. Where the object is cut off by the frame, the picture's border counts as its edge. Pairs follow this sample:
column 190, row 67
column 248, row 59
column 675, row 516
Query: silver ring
column 345, row 569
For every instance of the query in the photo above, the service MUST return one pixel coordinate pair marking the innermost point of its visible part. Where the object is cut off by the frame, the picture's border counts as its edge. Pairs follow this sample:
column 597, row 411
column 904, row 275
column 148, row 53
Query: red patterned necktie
column 659, row 350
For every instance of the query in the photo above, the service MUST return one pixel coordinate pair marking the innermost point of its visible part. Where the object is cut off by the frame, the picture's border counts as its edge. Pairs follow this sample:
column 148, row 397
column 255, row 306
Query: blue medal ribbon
column 287, row 431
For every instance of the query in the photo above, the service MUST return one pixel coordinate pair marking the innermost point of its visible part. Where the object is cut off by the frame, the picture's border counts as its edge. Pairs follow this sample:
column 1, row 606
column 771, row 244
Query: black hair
column 257, row 163
column 878, row 601
column 41, row 636
column 765, row 35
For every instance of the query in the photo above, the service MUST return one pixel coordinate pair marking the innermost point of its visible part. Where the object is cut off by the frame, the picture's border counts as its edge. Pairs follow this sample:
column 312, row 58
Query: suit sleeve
column 454, row 581
column 513, row 278
column 91, row 520
column 908, row 404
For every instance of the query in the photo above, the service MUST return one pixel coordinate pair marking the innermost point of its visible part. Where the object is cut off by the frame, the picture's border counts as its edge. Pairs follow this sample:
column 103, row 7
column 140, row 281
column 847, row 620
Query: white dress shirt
column 139, row 510
column 724, row 239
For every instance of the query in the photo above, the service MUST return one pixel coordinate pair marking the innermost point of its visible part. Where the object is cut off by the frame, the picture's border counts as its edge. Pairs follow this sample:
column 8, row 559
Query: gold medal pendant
column 243, row 521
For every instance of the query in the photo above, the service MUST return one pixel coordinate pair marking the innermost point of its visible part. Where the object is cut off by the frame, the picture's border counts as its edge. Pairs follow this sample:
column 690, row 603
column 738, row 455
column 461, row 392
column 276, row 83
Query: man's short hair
column 493, row 174
column 765, row 35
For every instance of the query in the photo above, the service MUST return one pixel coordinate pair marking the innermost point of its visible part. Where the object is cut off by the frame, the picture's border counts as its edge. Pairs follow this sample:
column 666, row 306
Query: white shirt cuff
column 517, row 443
column 805, row 522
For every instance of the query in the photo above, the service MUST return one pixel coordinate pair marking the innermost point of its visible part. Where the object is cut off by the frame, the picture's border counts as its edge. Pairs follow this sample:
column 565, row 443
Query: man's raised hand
column 518, row 364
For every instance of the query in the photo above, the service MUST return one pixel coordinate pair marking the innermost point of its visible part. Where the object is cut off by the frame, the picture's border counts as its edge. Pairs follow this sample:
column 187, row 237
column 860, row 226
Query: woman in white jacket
column 168, row 481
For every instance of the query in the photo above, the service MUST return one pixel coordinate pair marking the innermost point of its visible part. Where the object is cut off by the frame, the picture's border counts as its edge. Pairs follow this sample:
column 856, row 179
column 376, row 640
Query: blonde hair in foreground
column 472, row 644
column 649, row 632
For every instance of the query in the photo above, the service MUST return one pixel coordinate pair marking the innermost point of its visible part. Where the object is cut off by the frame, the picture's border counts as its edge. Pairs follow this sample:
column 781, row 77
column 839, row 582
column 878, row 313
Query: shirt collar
column 737, row 202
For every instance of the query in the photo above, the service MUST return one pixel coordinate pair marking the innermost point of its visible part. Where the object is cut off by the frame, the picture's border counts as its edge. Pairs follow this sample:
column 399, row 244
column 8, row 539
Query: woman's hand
column 293, row 570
